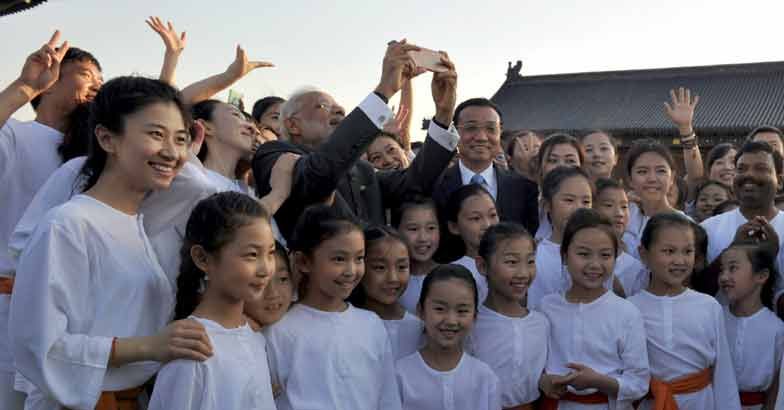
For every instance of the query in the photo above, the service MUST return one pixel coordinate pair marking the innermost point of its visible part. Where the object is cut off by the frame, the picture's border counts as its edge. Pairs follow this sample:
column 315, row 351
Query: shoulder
column 479, row 369
column 411, row 361
column 714, row 221
column 183, row 371
column 623, row 308
column 272, row 149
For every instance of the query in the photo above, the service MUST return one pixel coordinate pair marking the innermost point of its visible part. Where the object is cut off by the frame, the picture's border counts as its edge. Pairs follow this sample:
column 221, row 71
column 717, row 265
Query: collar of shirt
column 488, row 174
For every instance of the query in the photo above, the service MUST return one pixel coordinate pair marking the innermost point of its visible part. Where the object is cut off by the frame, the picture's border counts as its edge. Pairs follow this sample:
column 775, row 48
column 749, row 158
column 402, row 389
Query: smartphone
column 428, row 59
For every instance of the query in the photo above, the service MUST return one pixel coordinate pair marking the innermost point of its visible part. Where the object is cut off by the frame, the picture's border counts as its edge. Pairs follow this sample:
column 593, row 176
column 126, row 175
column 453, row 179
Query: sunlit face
column 386, row 154
column 590, row 258
column 651, row 177
column 335, row 267
column 277, row 296
column 707, row 200
column 271, row 117
column 477, row 213
column 560, row 155
column 613, row 204
column 152, row 148
column 243, row 267
column 574, row 193
column 318, row 117
column 723, row 169
column 387, row 271
column 512, row 268
column 448, row 311
column 600, row 156
column 480, row 134
column 737, row 278
column 419, row 225
column 756, row 180
column 671, row 255
column 231, row 131
column 78, row 83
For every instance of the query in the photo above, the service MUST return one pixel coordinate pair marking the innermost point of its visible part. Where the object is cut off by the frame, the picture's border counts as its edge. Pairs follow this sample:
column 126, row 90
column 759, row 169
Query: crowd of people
column 167, row 250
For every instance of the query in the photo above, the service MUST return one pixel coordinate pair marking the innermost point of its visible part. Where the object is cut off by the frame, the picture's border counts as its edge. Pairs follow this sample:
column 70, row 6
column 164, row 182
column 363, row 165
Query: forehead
column 592, row 238
column 350, row 241
column 478, row 202
column 766, row 136
column 650, row 159
column 576, row 185
column 419, row 213
column 389, row 248
column 675, row 235
column 712, row 189
column 318, row 97
column 165, row 114
column 613, row 194
column 256, row 232
column 382, row 142
column 517, row 245
column 563, row 150
column 479, row 114
column 753, row 158
column 596, row 138
column 735, row 255
column 453, row 291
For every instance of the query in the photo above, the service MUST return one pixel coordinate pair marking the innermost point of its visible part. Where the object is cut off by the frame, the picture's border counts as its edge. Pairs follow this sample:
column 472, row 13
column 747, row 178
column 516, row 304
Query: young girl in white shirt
column 469, row 211
column 91, row 303
column 557, row 150
column 386, row 277
column 511, row 339
column 417, row 221
column 441, row 376
column 690, row 360
column 227, row 259
column 324, row 352
column 754, row 333
column 565, row 190
column 597, row 355
column 277, row 297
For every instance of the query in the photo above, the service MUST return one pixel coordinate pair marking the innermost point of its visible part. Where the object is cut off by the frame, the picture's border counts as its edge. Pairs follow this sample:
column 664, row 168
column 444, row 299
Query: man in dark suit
column 479, row 123
column 330, row 169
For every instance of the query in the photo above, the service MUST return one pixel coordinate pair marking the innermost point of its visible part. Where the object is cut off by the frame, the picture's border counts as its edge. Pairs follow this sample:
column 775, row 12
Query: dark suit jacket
column 335, row 165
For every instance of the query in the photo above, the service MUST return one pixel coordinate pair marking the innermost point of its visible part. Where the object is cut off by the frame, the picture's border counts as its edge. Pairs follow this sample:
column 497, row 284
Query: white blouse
column 406, row 335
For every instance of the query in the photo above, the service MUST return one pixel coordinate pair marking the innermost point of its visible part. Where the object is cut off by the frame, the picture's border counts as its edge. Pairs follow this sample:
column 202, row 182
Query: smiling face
column 723, row 169
column 78, row 83
column 651, row 177
column 756, row 181
column 560, row 155
column 613, row 204
column 511, row 269
column 600, row 156
column 231, row 131
column 387, row 271
column 317, row 118
column 671, row 256
column 738, row 279
column 277, row 296
column 590, row 258
column 419, row 225
column 708, row 199
column 480, row 135
column 477, row 213
column 333, row 269
column 448, row 311
column 574, row 193
column 386, row 154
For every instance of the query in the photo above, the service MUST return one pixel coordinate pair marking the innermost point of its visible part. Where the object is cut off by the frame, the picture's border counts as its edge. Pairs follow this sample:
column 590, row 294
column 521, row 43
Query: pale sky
column 338, row 46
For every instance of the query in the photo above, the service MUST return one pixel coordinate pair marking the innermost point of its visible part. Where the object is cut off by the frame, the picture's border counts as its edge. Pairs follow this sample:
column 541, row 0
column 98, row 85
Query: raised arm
column 174, row 45
column 206, row 88
column 406, row 111
column 680, row 110
column 40, row 71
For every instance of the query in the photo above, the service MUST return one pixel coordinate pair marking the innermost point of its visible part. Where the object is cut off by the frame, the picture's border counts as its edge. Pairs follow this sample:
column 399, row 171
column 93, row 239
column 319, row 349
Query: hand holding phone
column 428, row 59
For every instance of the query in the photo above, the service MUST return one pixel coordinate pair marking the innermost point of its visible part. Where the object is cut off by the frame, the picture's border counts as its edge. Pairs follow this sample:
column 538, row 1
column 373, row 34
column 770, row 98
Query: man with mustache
column 330, row 145
column 756, row 182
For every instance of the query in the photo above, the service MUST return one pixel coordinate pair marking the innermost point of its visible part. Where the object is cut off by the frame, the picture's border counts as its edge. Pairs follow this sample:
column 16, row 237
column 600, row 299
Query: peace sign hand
column 42, row 68
column 241, row 66
column 174, row 43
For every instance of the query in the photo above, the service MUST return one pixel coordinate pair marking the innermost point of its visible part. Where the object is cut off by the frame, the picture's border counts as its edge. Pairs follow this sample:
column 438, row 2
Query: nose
column 272, row 292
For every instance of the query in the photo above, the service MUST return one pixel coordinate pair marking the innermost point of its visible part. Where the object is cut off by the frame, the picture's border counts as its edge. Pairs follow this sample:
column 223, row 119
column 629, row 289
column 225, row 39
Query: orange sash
column 6, row 285
column 752, row 398
column 664, row 392
column 593, row 398
column 119, row 400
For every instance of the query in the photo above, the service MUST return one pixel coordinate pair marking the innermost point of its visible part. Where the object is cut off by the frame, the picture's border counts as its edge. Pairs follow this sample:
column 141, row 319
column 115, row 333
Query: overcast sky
column 338, row 45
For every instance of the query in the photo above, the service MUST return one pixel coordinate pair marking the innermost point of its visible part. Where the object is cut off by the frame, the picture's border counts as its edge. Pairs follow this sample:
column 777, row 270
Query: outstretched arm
column 680, row 110
column 174, row 45
column 40, row 71
column 206, row 88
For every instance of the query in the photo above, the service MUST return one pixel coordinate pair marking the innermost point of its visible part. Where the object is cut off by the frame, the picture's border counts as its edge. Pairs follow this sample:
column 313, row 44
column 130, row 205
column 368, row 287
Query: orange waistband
column 664, row 392
column 119, row 400
column 6, row 285
column 752, row 398
column 529, row 406
column 593, row 398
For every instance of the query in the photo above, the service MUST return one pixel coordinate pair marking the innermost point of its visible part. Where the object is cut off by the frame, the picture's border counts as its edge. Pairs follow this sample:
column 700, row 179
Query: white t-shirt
column 632, row 274
column 606, row 335
column 515, row 348
column 410, row 298
column 481, row 282
column 406, row 335
column 87, row 275
column 756, row 346
column 632, row 237
column 471, row 385
column 236, row 376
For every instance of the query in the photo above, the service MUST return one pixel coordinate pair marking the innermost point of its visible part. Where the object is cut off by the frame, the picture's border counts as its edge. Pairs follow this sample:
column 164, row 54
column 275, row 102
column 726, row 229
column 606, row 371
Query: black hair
column 764, row 128
column 454, row 205
column 451, row 246
column 118, row 99
column 204, row 110
column 661, row 221
column 262, row 105
column 710, row 182
column 317, row 224
column 477, row 102
column 513, row 135
column 412, row 202
column 683, row 188
column 753, row 147
column 446, row 272
column 610, row 137
column 645, row 146
column 212, row 224
column 375, row 235
column 700, row 240
column 718, row 152
column 603, row 184
column 761, row 258
column 498, row 233
column 76, row 138
column 552, row 182
column 725, row 206
column 280, row 251
column 558, row 139
column 73, row 54
column 585, row 218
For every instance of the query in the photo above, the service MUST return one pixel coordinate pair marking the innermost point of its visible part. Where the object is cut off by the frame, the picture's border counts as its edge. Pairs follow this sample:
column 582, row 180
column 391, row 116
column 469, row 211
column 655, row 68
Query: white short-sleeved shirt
column 481, row 282
column 236, row 376
column 515, row 348
column 471, row 385
column 410, row 298
column 632, row 274
column 406, row 335
column 632, row 237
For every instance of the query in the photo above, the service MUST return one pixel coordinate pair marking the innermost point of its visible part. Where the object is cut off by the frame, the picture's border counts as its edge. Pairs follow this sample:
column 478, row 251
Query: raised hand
column 680, row 109
column 444, row 89
column 397, row 124
column 241, row 66
column 398, row 67
column 174, row 43
column 42, row 68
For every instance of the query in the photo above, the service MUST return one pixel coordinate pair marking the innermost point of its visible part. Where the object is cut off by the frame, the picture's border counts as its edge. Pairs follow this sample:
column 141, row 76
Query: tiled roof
column 14, row 6
column 733, row 99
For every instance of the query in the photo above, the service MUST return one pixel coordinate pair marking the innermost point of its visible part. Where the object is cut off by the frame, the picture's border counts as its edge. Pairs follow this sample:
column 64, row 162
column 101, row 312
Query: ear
column 302, row 262
column 106, row 139
column 208, row 129
column 643, row 255
column 761, row 277
column 200, row 257
column 453, row 228
column 481, row 265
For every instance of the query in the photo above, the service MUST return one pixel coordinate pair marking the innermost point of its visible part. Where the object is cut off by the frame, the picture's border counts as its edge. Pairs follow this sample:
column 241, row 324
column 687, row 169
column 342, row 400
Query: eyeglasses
column 471, row 128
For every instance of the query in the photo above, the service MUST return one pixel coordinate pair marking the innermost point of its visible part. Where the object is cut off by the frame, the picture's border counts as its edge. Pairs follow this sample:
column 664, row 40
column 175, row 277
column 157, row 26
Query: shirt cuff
column 376, row 110
column 446, row 138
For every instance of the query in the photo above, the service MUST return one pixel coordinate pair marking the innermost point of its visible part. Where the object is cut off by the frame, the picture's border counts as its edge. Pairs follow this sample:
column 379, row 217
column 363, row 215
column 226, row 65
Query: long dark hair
column 374, row 236
column 761, row 258
column 213, row 224
column 118, row 99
